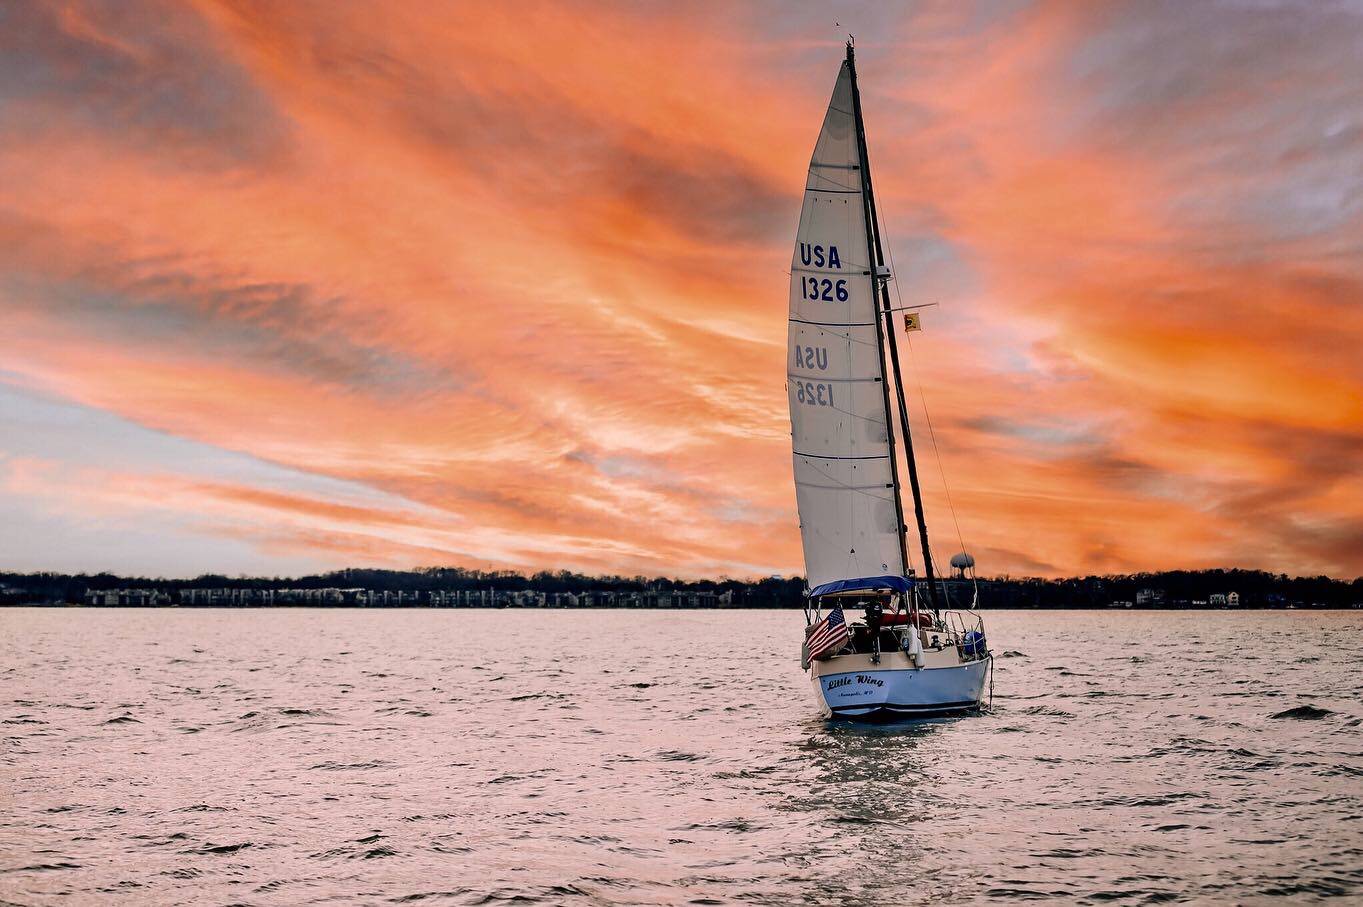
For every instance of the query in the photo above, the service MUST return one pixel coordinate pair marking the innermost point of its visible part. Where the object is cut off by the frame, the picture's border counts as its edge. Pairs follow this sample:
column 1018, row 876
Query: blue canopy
column 865, row 583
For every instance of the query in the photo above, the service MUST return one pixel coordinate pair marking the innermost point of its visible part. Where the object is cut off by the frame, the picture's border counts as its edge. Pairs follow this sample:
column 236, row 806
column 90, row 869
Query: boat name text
column 860, row 678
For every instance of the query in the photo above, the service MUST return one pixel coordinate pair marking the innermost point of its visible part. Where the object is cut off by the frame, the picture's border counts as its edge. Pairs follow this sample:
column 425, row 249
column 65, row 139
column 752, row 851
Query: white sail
column 849, row 522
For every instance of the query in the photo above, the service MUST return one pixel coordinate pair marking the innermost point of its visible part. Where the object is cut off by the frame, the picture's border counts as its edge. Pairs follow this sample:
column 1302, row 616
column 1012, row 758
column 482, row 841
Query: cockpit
column 889, row 622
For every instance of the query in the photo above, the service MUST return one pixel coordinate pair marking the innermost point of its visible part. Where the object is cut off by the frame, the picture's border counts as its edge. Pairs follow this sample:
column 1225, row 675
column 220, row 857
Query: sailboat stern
column 851, row 686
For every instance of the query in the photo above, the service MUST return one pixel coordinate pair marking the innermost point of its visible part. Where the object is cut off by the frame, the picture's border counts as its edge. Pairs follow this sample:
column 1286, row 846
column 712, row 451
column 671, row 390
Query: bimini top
column 865, row 583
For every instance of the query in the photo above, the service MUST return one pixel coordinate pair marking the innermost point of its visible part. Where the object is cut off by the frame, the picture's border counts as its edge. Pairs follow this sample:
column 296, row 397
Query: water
column 613, row 757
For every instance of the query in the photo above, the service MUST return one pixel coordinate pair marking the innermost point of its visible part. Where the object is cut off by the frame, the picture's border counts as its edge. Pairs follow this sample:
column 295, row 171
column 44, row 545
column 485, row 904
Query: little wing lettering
column 861, row 680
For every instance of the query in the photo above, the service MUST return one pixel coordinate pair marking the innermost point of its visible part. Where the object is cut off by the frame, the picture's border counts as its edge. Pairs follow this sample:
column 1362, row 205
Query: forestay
column 849, row 520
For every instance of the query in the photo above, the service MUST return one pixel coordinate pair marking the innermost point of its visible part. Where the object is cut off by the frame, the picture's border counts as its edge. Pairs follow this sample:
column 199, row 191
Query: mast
column 884, row 332
column 873, row 242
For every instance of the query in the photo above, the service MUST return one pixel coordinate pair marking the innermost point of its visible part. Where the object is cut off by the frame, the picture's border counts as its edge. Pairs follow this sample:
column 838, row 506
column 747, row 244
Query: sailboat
column 906, row 655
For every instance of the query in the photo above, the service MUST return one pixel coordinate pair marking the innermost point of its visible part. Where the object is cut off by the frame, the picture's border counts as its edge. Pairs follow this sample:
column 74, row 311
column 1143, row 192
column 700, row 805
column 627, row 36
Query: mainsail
column 845, row 482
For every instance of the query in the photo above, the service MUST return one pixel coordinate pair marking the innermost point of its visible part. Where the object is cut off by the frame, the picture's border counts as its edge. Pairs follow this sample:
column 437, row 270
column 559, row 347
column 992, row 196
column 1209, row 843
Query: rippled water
column 613, row 757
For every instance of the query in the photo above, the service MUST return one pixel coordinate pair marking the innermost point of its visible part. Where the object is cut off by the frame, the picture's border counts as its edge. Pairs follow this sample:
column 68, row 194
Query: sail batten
column 842, row 450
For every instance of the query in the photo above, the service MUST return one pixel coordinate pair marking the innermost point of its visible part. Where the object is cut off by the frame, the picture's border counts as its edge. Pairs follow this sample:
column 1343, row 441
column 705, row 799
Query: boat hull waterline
column 901, row 692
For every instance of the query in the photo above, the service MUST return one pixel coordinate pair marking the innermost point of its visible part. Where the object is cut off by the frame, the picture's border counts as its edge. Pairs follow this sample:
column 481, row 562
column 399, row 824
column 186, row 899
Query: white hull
column 890, row 691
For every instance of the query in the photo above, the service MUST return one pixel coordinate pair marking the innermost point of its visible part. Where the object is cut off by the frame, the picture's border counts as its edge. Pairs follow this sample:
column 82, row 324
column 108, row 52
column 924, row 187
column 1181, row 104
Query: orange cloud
column 523, row 273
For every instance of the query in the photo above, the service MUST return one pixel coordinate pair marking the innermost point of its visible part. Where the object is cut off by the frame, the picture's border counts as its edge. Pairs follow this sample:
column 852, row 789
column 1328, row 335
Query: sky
column 292, row 287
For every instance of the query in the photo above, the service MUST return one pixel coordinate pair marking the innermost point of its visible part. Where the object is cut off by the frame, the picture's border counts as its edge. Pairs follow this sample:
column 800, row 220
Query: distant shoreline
column 458, row 588
column 298, row 607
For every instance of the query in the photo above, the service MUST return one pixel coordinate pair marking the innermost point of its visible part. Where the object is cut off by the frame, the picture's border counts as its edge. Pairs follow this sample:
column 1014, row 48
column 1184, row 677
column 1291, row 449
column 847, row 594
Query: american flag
column 830, row 634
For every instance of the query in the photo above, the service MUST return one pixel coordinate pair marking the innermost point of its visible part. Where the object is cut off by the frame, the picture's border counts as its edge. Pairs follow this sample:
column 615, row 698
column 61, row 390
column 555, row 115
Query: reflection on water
column 285, row 757
column 865, row 803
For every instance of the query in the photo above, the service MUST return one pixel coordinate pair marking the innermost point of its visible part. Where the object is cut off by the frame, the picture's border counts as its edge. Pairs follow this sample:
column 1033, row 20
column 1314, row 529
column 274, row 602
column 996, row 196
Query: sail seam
column 859, row 271
column 833, row 380
column 835, row 324
column 862, row 489
column 822, row 457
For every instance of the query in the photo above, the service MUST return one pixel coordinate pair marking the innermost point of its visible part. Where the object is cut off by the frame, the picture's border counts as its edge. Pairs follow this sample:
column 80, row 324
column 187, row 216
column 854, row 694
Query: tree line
column 1176, row 588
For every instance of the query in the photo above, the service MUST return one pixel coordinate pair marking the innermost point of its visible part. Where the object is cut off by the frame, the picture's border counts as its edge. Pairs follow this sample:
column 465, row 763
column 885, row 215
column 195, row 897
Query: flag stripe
column 830, row 634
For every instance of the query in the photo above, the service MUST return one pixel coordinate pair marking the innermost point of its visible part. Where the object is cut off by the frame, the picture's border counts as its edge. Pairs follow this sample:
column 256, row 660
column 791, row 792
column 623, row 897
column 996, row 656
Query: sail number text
column 811, row 357
column 813, row 394
column 822, row 288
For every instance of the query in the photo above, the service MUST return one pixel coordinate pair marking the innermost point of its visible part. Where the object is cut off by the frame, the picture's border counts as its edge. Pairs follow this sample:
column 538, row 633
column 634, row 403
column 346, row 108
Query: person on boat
column 875, row 613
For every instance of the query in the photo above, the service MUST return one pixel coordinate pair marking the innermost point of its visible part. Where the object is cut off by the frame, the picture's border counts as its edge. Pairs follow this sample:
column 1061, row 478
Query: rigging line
column 927, row 417
column 937, row 454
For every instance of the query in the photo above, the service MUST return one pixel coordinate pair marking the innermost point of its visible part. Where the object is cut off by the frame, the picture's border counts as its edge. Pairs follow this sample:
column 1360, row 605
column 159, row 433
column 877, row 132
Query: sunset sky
column 295, row 286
